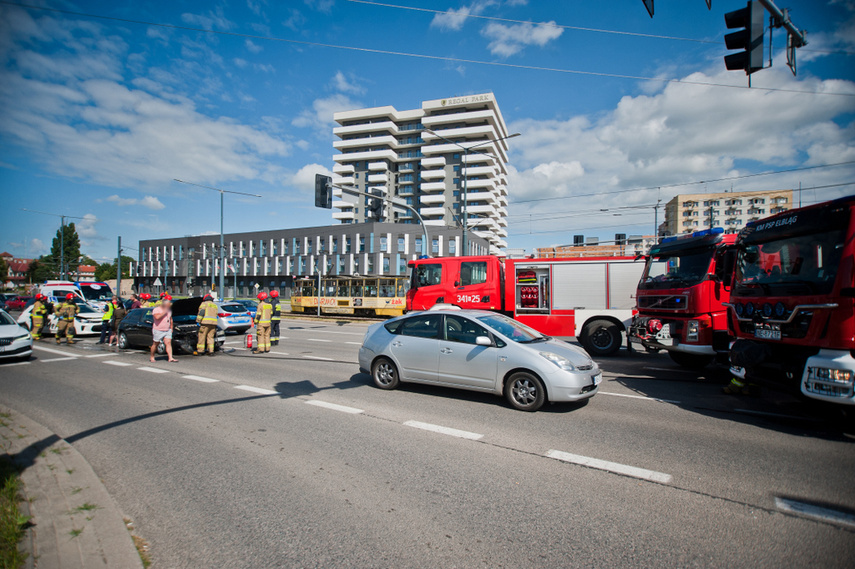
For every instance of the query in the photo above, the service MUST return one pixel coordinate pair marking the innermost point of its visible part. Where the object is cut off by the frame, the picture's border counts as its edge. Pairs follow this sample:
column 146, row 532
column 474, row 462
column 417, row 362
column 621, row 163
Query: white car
column 479, row 351
column 15, row 341
column 87, row 323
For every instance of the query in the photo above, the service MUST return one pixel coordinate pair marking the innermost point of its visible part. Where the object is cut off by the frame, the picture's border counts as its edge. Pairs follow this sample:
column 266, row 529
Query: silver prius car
column 479, row 351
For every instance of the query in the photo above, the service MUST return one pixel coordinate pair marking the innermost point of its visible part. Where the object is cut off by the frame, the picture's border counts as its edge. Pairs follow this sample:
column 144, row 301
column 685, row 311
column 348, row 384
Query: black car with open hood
column 135, row 328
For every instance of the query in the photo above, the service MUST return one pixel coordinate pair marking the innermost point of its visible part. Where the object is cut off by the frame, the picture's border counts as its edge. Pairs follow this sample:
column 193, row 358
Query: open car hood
column 186, row 306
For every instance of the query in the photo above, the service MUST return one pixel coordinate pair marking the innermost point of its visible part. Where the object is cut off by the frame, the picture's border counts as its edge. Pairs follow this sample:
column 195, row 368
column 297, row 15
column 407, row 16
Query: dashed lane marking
column 656, row 399
column 153, row 369
column 317, row 340
column 318, row 358
column 99, row 355
column 200, row 378
column 69, row 358
column 444, row 430
column 816, row 512
column 334, row 407
column 17, row 364
column 615, row 467
column 50, row 350
column 120, row 364
column 259, row 390
column 354, row 343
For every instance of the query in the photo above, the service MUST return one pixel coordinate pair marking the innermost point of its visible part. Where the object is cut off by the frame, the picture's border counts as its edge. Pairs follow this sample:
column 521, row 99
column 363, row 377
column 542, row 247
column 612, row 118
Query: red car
column 18, row 303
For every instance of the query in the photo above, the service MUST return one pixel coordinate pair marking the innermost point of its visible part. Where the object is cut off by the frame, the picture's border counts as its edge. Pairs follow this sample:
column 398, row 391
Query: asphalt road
column 294, row 460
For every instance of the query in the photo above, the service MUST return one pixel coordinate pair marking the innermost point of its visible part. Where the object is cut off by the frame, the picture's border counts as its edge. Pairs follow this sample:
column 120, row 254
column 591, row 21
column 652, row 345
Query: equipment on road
column 792, row 305
column 249, row 341
column 681, row 298
column 360, row 296
column 589, row 298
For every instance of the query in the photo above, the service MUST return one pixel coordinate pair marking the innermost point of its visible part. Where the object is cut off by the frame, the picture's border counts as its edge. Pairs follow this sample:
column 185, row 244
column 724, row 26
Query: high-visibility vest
column 108, row 314
column 264, row 313
column 207, row 314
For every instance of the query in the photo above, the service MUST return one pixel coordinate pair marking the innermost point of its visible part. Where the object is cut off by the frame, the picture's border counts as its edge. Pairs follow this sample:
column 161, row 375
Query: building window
column 335, row 245
column 434, row 247
column 308, row 247
column 400, row 244
column 402, row 266
column 370, row 266
column 347, row 246
column 456, row 181
column 456, row 168
column 362, row 244
column 452, row 247
column 263, row 246
column 275, row 249
column 384, row 244
column 419, row 246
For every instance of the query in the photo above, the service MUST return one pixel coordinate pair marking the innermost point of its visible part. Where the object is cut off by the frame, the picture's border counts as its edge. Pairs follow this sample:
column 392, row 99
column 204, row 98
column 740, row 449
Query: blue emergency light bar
column 704, row 233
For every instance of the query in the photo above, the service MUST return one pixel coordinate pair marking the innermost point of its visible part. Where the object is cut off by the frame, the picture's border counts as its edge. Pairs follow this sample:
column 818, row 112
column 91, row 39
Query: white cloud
column 37, row 247
column 214, row 19
column 505, row 40
column 253, row 47
column 320, row 5
column 453, row 20
column 346, row 84
column 304, row 179
column 73, row 113
column 86, row 227
column 149, row 202
column 320, row 116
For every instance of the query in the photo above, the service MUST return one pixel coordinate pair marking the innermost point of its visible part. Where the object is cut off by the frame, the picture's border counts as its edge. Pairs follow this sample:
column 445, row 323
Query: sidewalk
column 76, row 523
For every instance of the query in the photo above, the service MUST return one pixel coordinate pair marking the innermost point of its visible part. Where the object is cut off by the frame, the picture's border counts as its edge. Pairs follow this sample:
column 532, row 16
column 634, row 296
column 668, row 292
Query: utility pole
column 656, row 221
column 119, row 269
column 62, row 271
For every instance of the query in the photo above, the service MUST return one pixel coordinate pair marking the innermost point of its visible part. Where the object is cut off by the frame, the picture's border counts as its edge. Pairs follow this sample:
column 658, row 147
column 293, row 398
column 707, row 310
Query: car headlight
column 22, row 337
column 560, row 361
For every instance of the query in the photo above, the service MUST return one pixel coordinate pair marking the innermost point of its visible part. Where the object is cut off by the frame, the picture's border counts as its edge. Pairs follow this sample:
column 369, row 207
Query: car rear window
column 233, row 308
column 422, row 326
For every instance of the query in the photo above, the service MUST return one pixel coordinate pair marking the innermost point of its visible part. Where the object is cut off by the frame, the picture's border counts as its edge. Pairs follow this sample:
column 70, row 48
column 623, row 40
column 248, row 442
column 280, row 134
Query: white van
column 56, row 291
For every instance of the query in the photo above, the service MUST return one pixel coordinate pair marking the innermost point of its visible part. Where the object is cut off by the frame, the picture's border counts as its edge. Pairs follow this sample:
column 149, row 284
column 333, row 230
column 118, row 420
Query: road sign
column 158, row 282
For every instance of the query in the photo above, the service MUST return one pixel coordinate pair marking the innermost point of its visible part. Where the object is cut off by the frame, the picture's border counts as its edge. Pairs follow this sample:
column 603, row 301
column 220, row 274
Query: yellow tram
column 362, row 296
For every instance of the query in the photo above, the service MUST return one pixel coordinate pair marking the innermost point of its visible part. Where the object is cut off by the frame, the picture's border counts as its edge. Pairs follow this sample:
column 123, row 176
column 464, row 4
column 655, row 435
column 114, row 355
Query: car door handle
column 397, row 344
column 446, row 351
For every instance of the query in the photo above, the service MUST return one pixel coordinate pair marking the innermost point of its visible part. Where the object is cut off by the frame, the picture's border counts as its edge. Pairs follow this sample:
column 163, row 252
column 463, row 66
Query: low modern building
column 273, row 259
column 622, row 246
column 731, row 211
column 430, row 158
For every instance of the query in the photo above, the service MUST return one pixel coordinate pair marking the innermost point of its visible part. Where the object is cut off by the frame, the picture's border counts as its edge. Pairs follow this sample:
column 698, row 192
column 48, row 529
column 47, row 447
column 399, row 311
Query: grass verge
column 13, row 523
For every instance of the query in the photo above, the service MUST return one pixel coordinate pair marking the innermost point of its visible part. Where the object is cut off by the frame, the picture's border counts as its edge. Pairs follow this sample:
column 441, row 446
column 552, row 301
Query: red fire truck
column 682, row 295
column 792, row 306
column 591, row 299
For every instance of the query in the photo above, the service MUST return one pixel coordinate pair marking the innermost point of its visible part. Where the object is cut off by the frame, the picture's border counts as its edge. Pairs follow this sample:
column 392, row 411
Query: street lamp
column 222, row 238
column 466, row 151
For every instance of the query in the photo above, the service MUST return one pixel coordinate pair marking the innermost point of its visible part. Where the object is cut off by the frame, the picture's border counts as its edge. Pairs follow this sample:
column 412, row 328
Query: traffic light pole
column 395, row 203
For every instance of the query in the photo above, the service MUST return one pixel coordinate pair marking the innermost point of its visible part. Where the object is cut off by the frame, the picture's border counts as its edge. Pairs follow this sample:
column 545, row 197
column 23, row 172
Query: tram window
column 387, row 288
column 403, row 287
column 343, row 289
column 371, row 289
column 356, row 289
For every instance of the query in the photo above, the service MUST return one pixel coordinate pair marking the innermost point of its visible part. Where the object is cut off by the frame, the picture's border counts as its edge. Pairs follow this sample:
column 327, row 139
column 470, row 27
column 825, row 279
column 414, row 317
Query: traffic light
column 749, row 39
column 376, row 206
column 323, row 191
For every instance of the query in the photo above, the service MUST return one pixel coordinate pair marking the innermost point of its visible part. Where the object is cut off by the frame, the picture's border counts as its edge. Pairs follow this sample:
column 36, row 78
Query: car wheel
column 600, row 338
column 385, row 374
column 123, row 341
column 525, row 391
column 161, row 348
column 691, row 361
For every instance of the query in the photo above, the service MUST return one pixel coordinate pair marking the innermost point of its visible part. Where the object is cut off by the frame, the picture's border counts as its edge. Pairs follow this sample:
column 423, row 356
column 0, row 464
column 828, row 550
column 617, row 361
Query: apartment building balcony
column 488, row 183
column 433, row 186
column 341, row 215
column 377, row 166
column 344, row 180
column 484, row 130
column 343, row 204
column 433, row 199
column 382, row 178
column 382, row 189
column 389, row 141
column 342, row 169
column 480, row 209
column 479, row 171
column 433, row 174
column 435, row 222
column 346, row 157
column 432, row 211
column 381, row 126
column 480, row 116
column 433, row 162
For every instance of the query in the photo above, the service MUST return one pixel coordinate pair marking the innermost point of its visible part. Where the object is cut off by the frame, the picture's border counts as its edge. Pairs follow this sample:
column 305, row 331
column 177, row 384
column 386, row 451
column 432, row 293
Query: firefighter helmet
column 274, row 293
column 262, row 296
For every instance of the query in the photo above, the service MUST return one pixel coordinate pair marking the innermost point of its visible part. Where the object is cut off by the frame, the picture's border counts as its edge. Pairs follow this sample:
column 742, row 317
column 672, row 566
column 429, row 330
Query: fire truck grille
column 664, row 302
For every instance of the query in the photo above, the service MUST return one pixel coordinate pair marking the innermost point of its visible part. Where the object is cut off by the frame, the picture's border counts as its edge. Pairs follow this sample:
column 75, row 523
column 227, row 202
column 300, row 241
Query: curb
column 76, row 523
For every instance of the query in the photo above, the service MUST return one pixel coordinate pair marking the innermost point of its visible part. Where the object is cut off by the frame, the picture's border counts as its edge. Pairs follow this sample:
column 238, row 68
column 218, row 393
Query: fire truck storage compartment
column 532, row 289
column 595, row 285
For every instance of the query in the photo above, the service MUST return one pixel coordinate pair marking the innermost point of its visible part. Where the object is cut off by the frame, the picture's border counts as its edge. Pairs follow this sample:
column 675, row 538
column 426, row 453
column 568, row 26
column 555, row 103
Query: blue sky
column 100, row 115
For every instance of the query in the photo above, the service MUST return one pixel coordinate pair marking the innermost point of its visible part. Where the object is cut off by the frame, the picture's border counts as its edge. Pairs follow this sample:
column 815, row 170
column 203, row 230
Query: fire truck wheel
column 385, row 374
column 690, row 361
column 601, row 338
column 525, row 391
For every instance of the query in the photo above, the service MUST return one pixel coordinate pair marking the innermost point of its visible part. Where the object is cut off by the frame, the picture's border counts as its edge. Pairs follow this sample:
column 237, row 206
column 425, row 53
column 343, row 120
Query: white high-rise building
column 428, row 157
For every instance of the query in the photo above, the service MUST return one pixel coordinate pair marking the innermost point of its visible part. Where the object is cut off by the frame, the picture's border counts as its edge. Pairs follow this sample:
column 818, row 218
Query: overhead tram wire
column 567, row 26
column 427, row 56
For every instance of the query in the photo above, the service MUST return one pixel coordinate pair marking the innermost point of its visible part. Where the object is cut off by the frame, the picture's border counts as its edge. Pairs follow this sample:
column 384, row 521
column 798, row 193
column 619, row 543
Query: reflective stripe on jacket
column 207, row 313
column 276, row 313
column 264, row 313
column 39, row 309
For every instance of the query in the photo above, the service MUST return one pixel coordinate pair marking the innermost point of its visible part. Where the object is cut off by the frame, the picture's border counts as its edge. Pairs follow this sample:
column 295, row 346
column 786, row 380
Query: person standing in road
column 119, row 313
column 207, row 320
column 135, row 302
column 38, row 316
column 65, row 315
column 162, row 326
column 274, row 320
column 262, row 324
column 106, row 323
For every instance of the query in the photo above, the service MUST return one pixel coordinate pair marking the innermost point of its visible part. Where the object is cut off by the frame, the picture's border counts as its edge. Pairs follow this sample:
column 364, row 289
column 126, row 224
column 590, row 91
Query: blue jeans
column 105, row 331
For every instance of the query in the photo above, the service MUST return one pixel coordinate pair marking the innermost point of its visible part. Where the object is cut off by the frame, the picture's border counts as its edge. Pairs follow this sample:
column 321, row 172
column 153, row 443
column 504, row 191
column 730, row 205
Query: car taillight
column 223, row 314
column 654, row 325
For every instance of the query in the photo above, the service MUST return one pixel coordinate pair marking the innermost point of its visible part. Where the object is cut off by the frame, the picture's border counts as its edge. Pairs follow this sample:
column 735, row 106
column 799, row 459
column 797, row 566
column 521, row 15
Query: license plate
column 767, row 333
column 597, row 378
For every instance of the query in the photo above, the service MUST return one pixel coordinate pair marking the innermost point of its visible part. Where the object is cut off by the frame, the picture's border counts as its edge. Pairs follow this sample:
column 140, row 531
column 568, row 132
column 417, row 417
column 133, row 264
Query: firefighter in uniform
column 145, row 300
column 262, row 324
column 207, row 320
column 65, row 315
column 38, row 316
column 274, row 320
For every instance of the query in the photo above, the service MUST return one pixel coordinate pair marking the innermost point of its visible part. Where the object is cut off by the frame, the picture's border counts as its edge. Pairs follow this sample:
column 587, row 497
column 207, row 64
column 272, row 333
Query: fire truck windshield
column 790, row 266
column 676, row 269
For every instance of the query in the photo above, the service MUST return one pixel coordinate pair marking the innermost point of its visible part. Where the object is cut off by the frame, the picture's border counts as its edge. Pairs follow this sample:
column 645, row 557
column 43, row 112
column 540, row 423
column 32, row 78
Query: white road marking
column 120, row 364
column 256, row 390
column 321, row 330
column 318, row 358
column 816, row 512
column 444, row 430
column 334, row 407
column 99, row 355
column 153, row 369
column 638, row 397
column 18, row 364
column 50, row 350
column 354, row 343
column 615, row 467
column 317, row 340
column 668, row 369
column 200, row 378
column 58, row 359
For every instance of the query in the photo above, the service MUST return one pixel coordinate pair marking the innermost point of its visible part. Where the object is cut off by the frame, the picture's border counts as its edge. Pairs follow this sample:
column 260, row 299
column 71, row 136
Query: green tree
column 65, row 245
column 42, row 269
column 4, row 269
column 107, row 271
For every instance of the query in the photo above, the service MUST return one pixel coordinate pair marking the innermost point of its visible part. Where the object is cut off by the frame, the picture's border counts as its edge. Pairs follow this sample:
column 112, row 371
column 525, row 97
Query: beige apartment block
column 686, row 213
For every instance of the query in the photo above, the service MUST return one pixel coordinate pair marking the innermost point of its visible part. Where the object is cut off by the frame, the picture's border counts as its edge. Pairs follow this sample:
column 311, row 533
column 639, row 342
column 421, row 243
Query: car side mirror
column 483, row 341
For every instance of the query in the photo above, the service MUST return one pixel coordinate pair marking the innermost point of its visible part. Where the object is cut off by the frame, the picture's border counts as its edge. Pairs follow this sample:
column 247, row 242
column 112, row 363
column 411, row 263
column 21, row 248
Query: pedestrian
column 162, row 326
column 119, row 313
column 207, row 320
column 106, row 323
column 262, row 324
column 274, row 320
column 135, row 302
column 38, row 316
column 65, row 314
